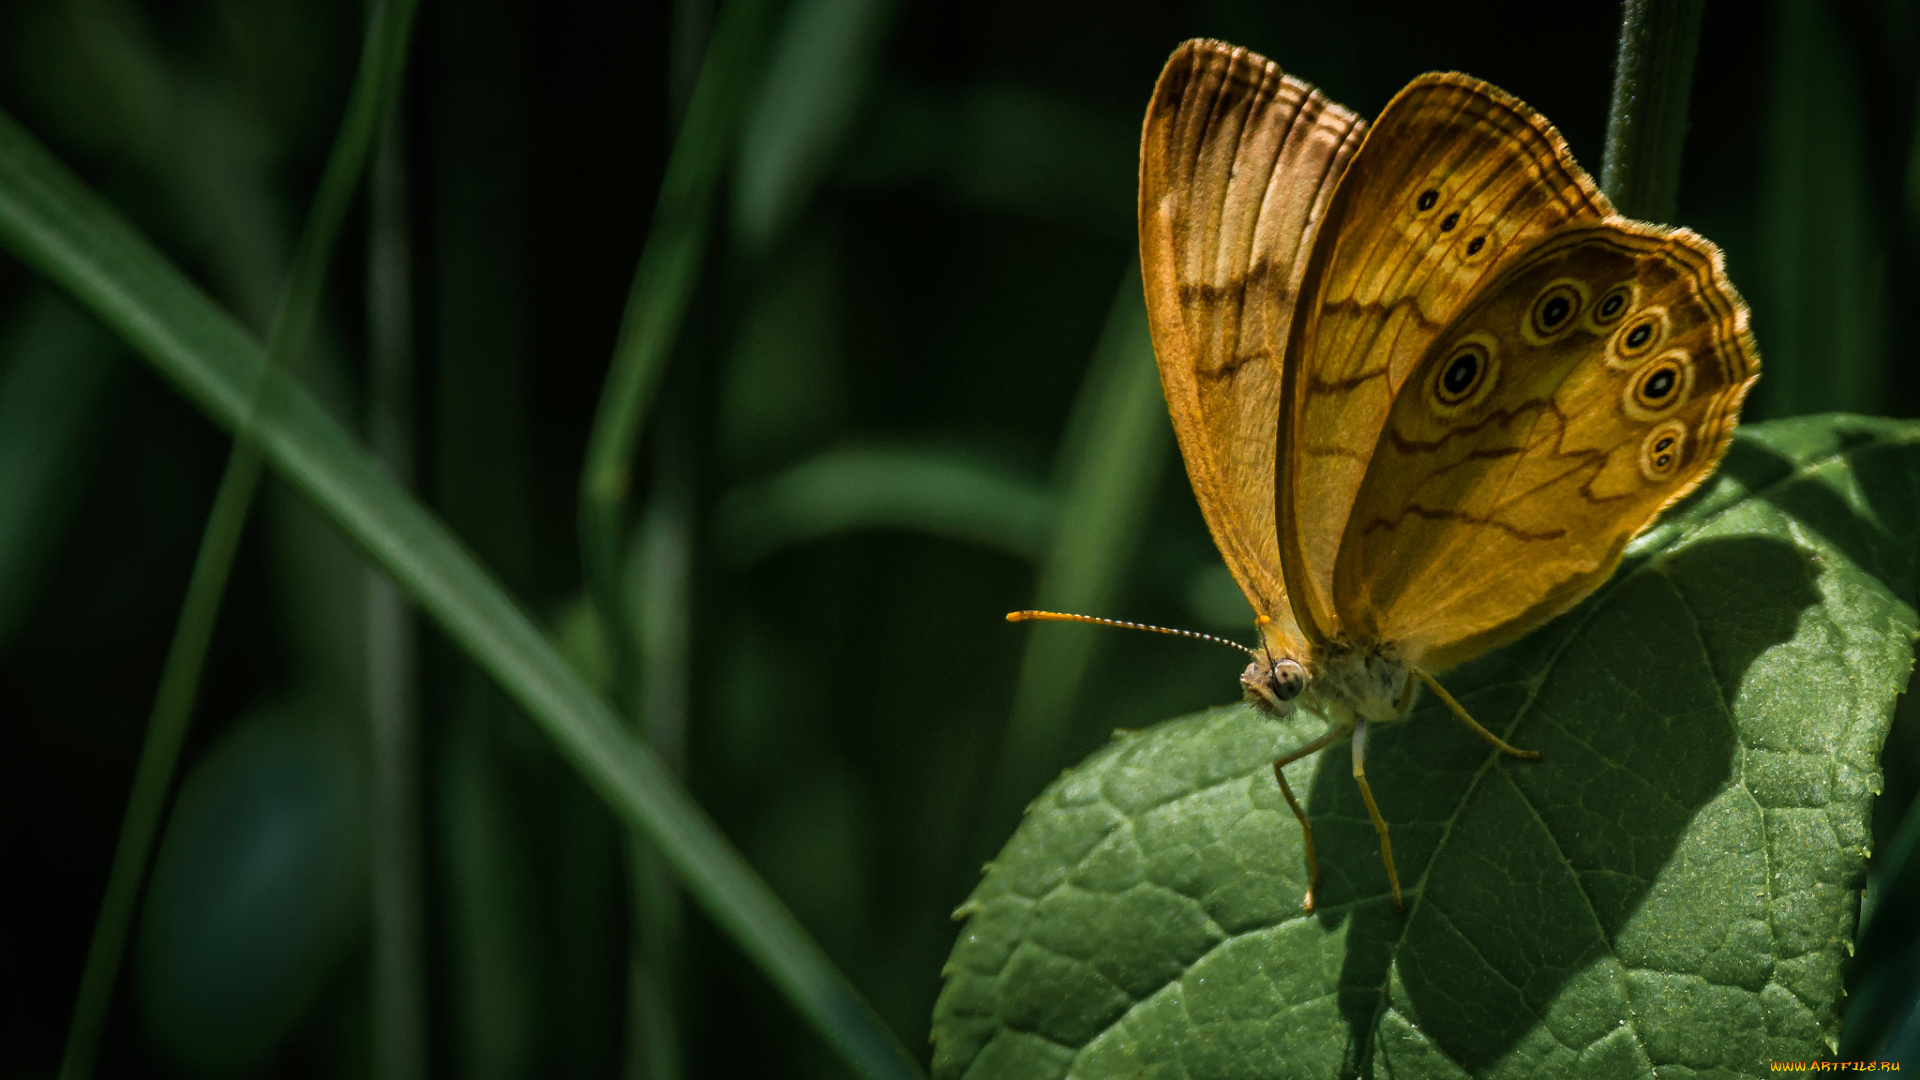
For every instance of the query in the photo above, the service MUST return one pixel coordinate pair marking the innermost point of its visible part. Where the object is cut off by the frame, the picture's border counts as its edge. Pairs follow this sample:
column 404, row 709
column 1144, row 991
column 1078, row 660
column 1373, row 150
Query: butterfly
column 1426, row 382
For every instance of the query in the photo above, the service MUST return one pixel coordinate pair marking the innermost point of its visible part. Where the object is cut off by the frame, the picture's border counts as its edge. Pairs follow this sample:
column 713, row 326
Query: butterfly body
column 1426, row 382
column 1341, row 680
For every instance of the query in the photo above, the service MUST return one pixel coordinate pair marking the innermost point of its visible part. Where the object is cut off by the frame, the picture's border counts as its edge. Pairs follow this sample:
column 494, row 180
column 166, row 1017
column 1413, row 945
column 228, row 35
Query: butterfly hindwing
column 1598, row 380
column 1454, row 181
column 1237, row 162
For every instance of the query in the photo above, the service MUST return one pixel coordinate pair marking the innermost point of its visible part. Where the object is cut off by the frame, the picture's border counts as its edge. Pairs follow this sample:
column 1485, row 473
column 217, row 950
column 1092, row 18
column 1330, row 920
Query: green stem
column 384, row 52
column 1647, row 121
column 657, row 302
column 663, row 284
column 399, row 990
column 659, row 576
column 166, row 730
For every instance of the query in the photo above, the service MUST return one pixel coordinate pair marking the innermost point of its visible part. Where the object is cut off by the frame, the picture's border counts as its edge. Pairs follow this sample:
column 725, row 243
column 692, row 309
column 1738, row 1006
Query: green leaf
column 1673, row 889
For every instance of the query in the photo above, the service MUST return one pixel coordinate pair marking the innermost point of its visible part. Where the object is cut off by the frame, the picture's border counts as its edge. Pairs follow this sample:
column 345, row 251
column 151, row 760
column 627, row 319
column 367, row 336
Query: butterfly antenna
column 1057, row 616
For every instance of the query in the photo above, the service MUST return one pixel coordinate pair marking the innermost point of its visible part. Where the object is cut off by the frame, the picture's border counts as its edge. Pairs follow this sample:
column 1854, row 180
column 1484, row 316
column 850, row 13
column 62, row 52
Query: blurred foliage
column 258, row 888
column 55, row 390
column 925, row 227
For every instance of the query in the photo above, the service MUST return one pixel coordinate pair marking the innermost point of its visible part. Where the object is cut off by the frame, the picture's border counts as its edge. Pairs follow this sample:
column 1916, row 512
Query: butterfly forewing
column 1454, row 181
column 1591, row 385
column 1237, row 162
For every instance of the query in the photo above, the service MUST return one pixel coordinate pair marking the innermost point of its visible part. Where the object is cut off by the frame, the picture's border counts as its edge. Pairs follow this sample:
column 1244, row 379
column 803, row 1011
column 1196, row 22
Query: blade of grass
column 1883, row 985
column 930, row 490
column 1109, row 463
column 68, row 235
column 1883, row 1010
column 399, row 1010
column 381, row 60
column 1910, row 182
column 188, row 142
column 1822, row 317
column 816, row 76
column 507, row 934
column 657, row 302
column 1647, row 120
column 659, row 585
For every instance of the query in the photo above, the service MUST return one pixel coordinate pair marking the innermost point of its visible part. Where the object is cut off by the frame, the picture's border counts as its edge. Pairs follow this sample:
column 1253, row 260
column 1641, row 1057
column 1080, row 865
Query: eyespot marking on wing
column 1427, row 200
column 1555, row 309
column 1660, row 387
column 1661, row 451
column 1638, row 338
column 1614, row 305
column 1466, row 377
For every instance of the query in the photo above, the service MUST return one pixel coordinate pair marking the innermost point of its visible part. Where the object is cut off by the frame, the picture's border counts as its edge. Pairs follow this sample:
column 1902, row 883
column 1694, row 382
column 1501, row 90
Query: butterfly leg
column 1440, row 692
column 1373, row 809
column 1299, row 812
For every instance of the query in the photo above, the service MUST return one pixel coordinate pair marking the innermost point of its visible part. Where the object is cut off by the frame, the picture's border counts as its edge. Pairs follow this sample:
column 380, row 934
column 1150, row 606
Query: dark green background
column 941, row 288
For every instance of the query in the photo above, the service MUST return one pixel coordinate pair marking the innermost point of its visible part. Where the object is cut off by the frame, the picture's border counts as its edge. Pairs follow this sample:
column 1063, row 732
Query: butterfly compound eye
column 1273, row 685
column 1289, row 678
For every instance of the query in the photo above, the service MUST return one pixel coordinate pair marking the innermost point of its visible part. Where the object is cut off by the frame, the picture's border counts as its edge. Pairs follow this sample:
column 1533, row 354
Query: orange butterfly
column 1426, row 382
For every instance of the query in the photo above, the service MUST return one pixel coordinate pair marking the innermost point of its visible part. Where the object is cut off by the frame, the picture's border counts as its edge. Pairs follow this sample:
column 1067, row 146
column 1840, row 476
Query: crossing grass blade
column 65, row 233
column 382, row 61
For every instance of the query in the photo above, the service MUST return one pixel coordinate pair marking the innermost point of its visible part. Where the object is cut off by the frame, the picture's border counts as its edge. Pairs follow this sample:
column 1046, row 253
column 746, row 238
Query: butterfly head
column 1271, row 682
column 1274, row 683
